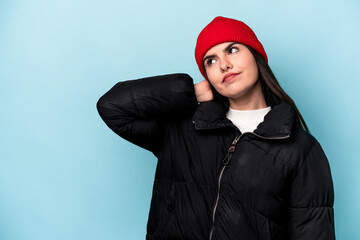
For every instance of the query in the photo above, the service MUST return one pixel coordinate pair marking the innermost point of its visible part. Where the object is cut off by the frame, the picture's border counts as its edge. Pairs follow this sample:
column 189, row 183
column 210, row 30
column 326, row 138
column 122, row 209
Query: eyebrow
column 214, row 55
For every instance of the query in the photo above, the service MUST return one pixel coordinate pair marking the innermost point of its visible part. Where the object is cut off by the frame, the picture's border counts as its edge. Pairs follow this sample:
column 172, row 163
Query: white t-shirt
column 247, row 120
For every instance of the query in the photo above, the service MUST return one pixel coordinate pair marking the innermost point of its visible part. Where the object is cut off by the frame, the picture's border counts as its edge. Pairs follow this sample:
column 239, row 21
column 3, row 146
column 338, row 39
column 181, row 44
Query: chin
column 233, row 95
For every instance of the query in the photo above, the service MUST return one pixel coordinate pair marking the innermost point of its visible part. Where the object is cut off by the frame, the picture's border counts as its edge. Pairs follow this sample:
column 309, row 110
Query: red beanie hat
column 220, row 30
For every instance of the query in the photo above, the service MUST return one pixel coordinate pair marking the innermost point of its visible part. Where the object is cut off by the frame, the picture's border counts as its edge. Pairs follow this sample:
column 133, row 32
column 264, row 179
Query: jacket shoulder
column 301, row 144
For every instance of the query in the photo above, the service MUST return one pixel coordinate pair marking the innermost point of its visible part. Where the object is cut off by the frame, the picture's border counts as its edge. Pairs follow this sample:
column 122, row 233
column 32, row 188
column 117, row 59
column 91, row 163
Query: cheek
column 210, row 74
column 253, row 70
column 218, row 87
column 213, row 78
column 254, row 74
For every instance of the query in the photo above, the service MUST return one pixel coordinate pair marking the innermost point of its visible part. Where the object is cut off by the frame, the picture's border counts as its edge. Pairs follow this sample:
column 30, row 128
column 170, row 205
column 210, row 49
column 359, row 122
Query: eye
column 209, row 61
column 233, row 47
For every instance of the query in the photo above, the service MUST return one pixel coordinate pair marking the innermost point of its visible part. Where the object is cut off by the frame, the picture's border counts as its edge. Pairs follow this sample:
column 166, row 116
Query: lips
column 229, row 76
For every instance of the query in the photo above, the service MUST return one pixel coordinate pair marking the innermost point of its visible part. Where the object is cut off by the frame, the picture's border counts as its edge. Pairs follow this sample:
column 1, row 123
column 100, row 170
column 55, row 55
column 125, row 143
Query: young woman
column 235, row 157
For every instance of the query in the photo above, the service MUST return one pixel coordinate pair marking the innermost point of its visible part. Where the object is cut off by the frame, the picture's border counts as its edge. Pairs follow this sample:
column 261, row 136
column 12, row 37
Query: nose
column 225, row 64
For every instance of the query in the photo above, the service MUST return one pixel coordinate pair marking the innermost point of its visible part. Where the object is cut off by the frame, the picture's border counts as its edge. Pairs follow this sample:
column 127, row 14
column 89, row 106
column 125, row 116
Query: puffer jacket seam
column 269, row 219
column 294, row 178
column 256, row 210
column 284, row 160
column 311, row 207
column 303, row 160
column 200, row 184
column 133, row 98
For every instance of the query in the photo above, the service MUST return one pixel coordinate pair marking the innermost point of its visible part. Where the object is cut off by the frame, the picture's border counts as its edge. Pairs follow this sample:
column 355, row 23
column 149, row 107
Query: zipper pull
column 226, row 160
column 231, row 149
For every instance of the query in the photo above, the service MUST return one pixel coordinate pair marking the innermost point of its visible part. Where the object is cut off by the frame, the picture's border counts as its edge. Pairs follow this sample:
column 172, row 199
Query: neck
column 251, row 101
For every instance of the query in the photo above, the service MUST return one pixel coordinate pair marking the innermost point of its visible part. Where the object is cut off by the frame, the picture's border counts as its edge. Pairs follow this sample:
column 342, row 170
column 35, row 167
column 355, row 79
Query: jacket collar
column 278, row 122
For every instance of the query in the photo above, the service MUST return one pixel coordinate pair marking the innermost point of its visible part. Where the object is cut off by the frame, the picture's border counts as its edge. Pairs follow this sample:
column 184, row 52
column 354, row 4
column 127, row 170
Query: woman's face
column 232, row 58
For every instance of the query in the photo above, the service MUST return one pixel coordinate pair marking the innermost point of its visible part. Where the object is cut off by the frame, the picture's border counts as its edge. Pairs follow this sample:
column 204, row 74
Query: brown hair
column 271, row 88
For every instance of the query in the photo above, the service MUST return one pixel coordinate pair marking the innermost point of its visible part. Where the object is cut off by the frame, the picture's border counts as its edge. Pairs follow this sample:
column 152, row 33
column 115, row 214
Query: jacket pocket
column 169, row 230
column 267, row 229
column 262, row 226
column 163, row 202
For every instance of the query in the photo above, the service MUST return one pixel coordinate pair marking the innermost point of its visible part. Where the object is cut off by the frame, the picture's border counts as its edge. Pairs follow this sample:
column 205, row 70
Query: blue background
column 65, row 175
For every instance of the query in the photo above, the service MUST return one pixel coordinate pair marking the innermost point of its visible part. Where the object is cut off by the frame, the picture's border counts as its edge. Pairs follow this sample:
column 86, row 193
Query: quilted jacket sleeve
column 136, row 109
column 311, row 213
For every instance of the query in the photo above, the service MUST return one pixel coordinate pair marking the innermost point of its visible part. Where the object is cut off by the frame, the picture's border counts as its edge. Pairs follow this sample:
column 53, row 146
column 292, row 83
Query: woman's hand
column 203, row 91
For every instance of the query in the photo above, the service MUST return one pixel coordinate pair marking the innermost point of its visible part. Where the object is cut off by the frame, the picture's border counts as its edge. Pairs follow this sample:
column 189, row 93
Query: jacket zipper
column 225, row 162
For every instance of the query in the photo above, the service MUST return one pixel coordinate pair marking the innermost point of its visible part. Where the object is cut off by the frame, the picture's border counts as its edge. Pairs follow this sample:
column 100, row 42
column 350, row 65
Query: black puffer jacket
column 214, row 182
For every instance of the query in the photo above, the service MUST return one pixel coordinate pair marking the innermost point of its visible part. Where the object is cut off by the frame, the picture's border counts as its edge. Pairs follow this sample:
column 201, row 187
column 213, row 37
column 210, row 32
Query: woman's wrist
column 203, row 91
